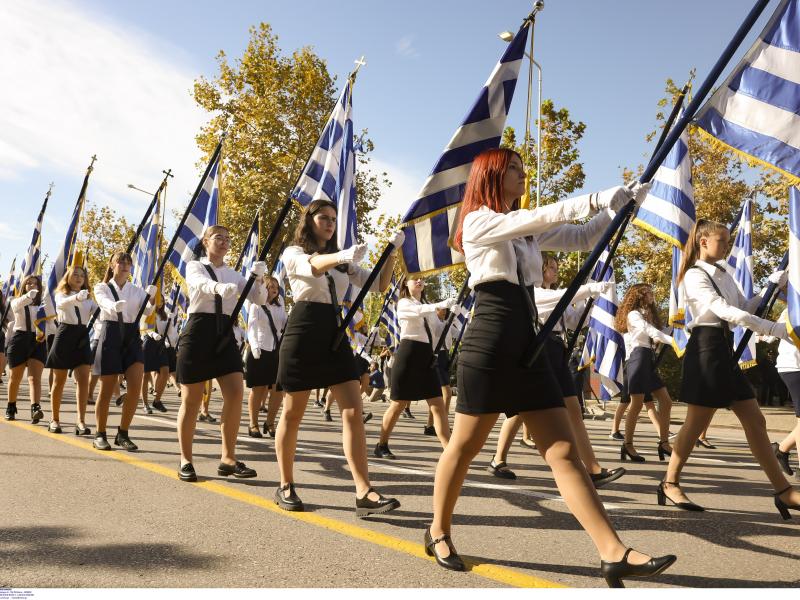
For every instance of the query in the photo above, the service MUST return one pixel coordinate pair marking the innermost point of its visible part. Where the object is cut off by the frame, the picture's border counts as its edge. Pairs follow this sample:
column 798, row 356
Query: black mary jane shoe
column 254, row 432
column 291, row 502
column 36, row 413
column 662, row 499
column 453, row 561
column 784, row 508
column 382, row 451
column 625, row 453
column 123, row 441
column 663, row 453
column 783, row 459
column 615, row 572
column 429, row 430
column 159, row 406
column 606, row 476
column 704, row 443
column 187, row 473
column 238, row 470
column 501, row 470
column 11, row 411
column 366, row 507
column 82, row 430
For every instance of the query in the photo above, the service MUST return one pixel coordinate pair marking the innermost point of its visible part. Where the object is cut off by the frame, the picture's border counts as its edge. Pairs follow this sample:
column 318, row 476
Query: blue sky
column 115, row 77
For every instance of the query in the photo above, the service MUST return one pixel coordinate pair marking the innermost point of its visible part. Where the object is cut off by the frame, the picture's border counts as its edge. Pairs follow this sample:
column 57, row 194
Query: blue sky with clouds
column 115, row 78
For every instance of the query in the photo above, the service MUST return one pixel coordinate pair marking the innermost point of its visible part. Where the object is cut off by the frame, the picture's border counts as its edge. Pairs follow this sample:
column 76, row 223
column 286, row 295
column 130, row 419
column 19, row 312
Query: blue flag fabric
column 10, row 284
column 679, row 314
column 32, row 263
column 793, row 288
column 740, row 266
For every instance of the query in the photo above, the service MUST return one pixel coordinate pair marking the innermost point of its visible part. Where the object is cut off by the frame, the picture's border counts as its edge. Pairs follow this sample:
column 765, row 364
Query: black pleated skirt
column 559, row 361
column 492, row 377
column 155, row 354
column 262, row 370
column 306, row 360
column 443, row 367
column 23, row 346
column 197, row 358
column 70, row 348
column 640, row 372
column 710, row 376
column 414, row 374
column 117, row 350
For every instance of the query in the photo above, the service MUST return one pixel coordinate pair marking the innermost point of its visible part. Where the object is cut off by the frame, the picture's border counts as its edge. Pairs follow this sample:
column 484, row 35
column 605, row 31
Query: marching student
column 711, row 378
column 547, row 296
column 319, row 274
column 637, row 319
column 119, row 349
column 265, row 325
column 157, row 358
column 214, row 289
column 502, row 246
column 3, row 326
column 205, row 416
column 377, row 385
column 70, row 349
column 442, row 362
column 788, row 365
column 24, row 350
column 415, row 375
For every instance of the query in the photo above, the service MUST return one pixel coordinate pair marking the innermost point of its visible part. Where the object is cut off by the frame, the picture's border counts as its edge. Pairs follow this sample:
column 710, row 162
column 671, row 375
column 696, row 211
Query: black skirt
column 262, row 370
column 306, row 360
column 172, row 357
column 792, row 381
column 23, row 346
column 2, row 341
column 197, row 358
column 117, row 350
column 640, row 372
column 557, row 355
column 414, row 376
column 492, row 377
column 362, row 364
column 155, row 354
column 443, row 367
column 70, row 348
column 710, row 376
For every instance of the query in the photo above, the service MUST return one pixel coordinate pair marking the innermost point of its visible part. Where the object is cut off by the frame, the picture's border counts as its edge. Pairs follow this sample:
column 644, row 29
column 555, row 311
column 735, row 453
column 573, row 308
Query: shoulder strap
column 120, row 320
column 274, row 329
column 334, row 301
column 710, row 279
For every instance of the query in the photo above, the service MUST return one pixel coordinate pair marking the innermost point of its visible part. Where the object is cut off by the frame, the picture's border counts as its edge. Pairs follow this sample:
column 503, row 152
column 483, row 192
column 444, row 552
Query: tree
column 273, row 108
column 102, row 233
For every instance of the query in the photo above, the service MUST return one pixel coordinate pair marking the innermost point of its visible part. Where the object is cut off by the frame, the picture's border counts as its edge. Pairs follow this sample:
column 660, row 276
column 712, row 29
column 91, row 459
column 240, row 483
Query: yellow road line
column 494, row 572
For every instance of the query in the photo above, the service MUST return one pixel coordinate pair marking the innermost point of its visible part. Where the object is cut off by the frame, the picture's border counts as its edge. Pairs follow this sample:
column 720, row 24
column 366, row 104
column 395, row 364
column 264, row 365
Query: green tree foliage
column 102, row 232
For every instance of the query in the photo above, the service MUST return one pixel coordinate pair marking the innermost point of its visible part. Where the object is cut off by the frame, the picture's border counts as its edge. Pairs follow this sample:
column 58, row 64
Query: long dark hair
column 304, row 233
column 276, row 301
column 691, row 251
column 38, row 299
column 118, row 256
column 636, row 299
column 404, row 293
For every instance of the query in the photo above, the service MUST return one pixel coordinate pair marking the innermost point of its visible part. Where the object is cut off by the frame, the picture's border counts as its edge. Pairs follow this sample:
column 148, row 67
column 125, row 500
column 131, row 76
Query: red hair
column 484, row 186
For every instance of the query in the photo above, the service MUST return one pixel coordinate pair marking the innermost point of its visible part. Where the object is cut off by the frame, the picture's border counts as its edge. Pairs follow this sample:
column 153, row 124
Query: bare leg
column 133, row 381
column 191, row 397
column 630, row 421
column 56, row 393
column 273, row 406
column 294, row 406
column 390, row 418
column 664, row 414
column 232, row 388
column 440, row 421
column 354, row 442
column 618, row 414
column 582, row 441
column 81, row 375
column 508, row 431
column 35, row 368
column 14, row 382
column 107, row 385
column 254, row 401
column 792, row 440
column 697, row 419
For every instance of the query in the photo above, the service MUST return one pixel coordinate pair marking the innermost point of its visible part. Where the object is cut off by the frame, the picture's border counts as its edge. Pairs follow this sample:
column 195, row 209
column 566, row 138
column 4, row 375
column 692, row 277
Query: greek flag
column 249, row 256
column 32, row 263
column 330, row 172
column 202, row 214
column 462, row 318
column 280, row 274
column 740, row 266
column 10, row 284
column 430, row 222
column 145, row 256
column 390, row 321
column 793, row 289
column 756, row 112
column 605, row 346
column 679, row 315
column 669, row 210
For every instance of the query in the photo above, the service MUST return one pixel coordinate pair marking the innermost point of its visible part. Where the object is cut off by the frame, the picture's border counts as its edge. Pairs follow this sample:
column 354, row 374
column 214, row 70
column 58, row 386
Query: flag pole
column 647, row 175
column 462, row 295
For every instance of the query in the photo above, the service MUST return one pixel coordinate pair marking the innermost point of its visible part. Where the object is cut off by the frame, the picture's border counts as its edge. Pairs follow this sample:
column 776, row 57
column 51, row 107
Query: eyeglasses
column 222, row 239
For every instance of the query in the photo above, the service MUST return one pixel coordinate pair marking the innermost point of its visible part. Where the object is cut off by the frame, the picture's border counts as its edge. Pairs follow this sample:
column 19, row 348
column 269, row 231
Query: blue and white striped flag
column 756, row 112
column 203, row 214
column 249, row 256
column 280, row 274
column 462, row 318
column 32, row 263
column 669, row 209
column 10, row 284
column 740, row 266
column 431, row 221
column 605, row 346
column 390, row 321
column 679, row 314
column 793, row 288
column 145, row 255
column 330, row 172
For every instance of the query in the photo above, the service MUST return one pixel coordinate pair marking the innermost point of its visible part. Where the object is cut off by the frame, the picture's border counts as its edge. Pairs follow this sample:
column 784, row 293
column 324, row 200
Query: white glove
column 353, row 254
column 398, row 239
column 170, row 314
column 639, row 191
column 779, row 278
column 599, row 288
column 767, row 339
column 83, row 295
column 119, row 305
column 778, row 330
column 227, row 290
column 151, row 290
column 256, row 352
column 32, row 294
column 614, row 198
column 447, row 304
column 155, row 336
column 259, row 268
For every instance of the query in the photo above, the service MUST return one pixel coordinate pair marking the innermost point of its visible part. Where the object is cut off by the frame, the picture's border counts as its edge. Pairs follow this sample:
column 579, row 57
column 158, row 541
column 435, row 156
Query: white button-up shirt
column 490, row 239
column 132, row 294
column 259, row 332
column 437, row 326
column 412, row 314
column 710, row 309
column 788, row 355
column 66, row 305
column 640, row 332
column 19, row 308
column 307, row 287
column 547, row 299
column 202, row 287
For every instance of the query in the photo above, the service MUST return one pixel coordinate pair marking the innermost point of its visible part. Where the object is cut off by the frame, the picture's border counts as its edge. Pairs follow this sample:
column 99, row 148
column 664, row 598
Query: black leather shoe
column 238, row 470
column 54, row 427
column 291, row 502
column 123, row 441
column 625, row 453
column 615, row 572
column 366, row 507
column 120, row 399
column 501, row 470
column 254, row 432
column 327, row 415
column 429, row 430
column 606, row 476
column 36, row 413
column 452, row 561
column 187, row 473
column 703, row 443
column 100, row 442
column 407, row 413
column 784, row 508
column 202, row 417
column 382, row 451
column 148, row 410
column 783, row 459
column 270, row 431
column 82, row 430
column 662, row 499
column 366, row 417
column 159, row 406
column 662, row 451
column 617, row 436
column 11, row 411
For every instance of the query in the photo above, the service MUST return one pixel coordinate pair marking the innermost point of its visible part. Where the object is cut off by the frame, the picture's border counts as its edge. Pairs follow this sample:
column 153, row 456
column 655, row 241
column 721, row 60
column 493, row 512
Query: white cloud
column 405, row 47
column 77, row 85
column 7, row 232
